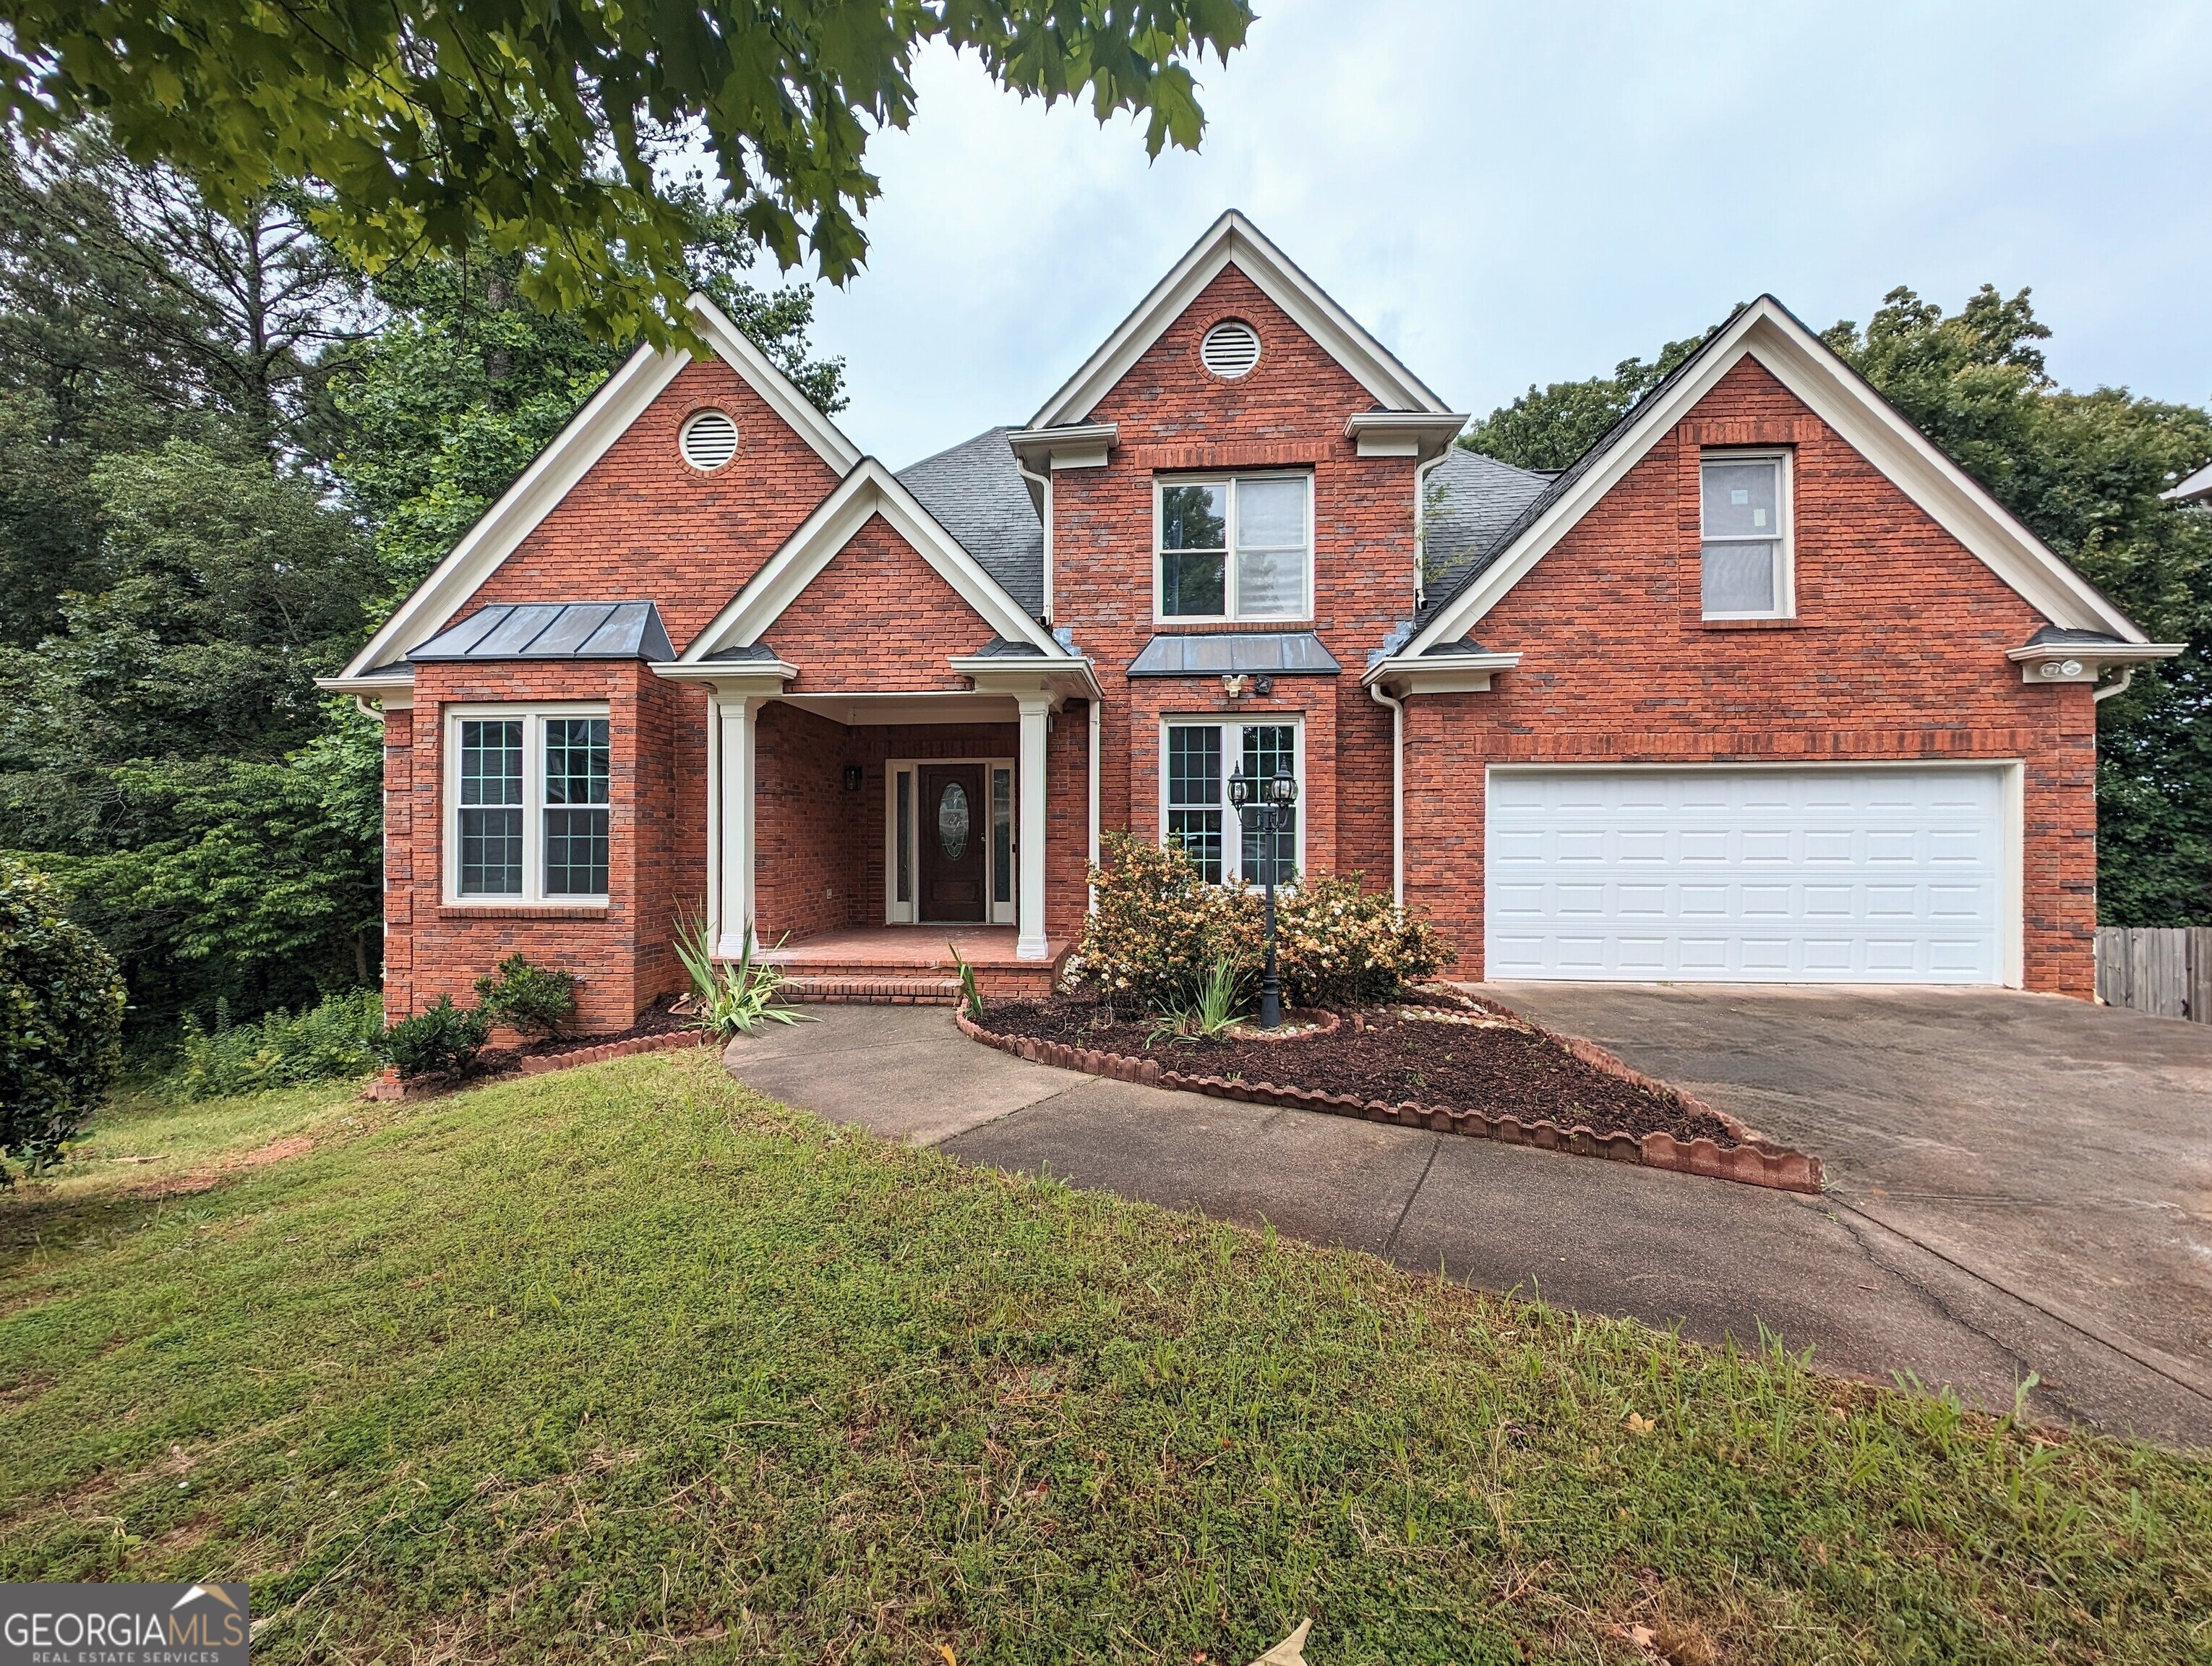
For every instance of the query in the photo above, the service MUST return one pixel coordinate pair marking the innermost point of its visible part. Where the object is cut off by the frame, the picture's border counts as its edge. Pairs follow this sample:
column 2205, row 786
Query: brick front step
column 878, row 989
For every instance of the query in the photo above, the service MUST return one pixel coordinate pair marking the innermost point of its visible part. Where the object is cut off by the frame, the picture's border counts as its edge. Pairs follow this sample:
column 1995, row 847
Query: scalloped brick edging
column 1757, row 1162
column 389, row 1086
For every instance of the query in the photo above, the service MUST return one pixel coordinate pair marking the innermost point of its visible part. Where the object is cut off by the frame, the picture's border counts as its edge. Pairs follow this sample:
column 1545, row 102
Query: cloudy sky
column 1507, row 193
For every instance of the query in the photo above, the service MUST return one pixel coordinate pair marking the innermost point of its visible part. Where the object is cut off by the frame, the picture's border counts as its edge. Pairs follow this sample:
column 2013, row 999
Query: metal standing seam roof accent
column 1283, row 654
column 552, row 630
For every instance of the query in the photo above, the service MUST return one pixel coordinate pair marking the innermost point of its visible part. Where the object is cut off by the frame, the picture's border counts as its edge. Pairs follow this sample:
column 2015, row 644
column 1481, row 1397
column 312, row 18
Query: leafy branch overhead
column 556, row 131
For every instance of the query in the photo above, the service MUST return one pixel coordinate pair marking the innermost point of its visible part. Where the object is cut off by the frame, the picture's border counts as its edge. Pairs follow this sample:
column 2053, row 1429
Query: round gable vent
column 1230, row 348
column 709, row 440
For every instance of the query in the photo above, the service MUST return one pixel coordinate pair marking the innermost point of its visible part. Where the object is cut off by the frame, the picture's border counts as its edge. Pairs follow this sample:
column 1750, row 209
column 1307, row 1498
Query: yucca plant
column 1215, row 1008
column 734, row 998
column 971, row 998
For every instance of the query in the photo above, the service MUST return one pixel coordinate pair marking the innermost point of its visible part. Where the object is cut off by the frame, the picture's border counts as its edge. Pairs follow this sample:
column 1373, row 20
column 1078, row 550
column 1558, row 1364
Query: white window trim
column 1231, row 616
column 1785, row 544
column 533, row 719
column 908, row 913
column 1232, row 758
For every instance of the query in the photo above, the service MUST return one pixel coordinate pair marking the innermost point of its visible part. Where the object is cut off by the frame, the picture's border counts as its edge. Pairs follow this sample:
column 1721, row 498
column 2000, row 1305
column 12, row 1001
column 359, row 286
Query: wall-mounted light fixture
column 851, row 777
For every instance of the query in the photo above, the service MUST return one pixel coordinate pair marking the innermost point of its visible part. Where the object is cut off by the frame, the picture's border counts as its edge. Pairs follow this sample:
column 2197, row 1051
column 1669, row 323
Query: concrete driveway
column 1878, row 1279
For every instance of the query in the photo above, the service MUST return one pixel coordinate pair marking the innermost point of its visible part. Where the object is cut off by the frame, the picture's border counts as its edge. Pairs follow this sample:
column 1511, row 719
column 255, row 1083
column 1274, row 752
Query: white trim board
column 871, row 489
column 1801, row 362
column 1235, row 240
column 554, row 472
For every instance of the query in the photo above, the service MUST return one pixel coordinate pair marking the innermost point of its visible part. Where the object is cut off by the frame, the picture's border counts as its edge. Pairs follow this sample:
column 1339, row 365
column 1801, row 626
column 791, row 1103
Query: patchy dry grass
column 626, row 1363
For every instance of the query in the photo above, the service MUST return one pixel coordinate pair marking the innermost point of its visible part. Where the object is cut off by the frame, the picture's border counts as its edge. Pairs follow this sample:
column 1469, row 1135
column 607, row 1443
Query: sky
column 1510, row 194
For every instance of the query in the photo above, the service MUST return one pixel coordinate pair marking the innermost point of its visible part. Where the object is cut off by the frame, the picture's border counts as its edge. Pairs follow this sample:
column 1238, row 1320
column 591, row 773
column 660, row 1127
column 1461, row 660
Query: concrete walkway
column 1719, row 1259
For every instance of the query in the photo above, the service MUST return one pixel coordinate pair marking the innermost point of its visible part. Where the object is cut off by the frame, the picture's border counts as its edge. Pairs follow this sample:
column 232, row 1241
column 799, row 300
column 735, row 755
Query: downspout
column 1397, row 792
column 2127, row 676
column 1097, row 731
column 1040, row 488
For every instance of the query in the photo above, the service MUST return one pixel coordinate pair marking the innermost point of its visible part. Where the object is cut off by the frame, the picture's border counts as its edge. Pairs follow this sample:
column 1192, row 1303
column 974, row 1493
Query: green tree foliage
column 1546, row 428
column 548, row 129
column 61, row 1018
column 2084, row 472
column 465, row 381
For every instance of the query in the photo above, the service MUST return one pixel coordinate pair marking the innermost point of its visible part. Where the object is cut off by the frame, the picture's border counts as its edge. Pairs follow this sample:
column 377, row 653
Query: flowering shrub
column 1159, row 929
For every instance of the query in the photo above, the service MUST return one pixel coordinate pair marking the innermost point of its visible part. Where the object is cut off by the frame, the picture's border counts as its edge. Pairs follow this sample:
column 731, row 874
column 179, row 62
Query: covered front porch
column 915, row 964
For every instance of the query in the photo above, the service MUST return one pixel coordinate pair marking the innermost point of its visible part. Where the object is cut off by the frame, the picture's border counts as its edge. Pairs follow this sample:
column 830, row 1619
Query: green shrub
column 336, row 1038
column 61, row 1018
column 440, row 1037
column 1159, row 931
column 534, row 1000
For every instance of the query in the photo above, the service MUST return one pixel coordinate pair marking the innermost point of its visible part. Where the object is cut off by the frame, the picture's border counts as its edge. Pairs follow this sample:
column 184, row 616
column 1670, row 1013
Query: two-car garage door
column 1825, row 874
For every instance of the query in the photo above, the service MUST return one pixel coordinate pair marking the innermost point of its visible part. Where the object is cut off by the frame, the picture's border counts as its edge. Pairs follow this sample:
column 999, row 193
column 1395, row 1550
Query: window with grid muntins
column 1270, row 749
column 1193, row 812
column 575, row 832
column 491, row 809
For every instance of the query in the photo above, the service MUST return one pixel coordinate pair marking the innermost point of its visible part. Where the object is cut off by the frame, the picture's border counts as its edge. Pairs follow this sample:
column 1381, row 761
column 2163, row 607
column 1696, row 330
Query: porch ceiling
column 946, row 706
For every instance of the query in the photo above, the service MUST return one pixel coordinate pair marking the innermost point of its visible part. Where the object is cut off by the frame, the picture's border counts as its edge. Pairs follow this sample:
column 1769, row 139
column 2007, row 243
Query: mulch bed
column 1494, row 1065
column 1442, row 1060
column 659, row 1024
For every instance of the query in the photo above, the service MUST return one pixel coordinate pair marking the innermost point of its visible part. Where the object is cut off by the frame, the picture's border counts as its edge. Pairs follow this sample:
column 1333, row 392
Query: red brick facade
column 1897, row 652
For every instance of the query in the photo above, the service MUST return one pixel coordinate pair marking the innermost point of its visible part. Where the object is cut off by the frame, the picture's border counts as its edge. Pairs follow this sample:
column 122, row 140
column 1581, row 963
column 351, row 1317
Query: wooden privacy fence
column 2165, row 969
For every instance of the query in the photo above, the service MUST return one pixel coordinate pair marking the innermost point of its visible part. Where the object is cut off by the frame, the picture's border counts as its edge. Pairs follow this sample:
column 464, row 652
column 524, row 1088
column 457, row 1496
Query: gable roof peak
column 1233, row 239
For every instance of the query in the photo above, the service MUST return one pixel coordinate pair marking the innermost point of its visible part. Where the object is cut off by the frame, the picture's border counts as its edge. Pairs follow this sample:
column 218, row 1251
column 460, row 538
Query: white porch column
column 1030, row 943
column 735, row 717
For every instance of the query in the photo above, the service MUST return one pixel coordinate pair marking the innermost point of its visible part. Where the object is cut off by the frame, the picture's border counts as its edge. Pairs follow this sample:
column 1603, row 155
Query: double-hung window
column 1239, row 548
column 529, row 795
column 1744, row 555
column 1195, row 812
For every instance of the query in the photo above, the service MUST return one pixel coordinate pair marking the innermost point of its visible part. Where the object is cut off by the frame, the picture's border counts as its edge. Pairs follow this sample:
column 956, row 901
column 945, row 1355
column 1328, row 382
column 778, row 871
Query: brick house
column 1761, row 688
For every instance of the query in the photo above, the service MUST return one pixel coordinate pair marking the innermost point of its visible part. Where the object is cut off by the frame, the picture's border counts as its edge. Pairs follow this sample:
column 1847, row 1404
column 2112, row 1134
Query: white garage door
column 1818, row 875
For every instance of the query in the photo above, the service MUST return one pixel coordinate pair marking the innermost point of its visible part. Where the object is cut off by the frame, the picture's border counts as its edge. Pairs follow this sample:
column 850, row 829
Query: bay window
column 528, row 792
column 1237, row 548
column 1195, row 812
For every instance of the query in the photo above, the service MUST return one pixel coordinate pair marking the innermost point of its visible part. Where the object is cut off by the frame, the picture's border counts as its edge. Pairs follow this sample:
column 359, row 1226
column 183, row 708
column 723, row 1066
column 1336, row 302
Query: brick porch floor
column 913, row 964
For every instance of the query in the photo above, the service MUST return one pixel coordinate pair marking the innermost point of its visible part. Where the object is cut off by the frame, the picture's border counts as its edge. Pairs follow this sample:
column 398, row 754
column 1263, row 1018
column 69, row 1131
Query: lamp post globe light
column 1262, row 805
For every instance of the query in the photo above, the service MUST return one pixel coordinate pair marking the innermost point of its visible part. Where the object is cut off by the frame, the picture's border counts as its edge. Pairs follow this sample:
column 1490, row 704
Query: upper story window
column 1238, row 548
column 1744, row 553
column 528, row 798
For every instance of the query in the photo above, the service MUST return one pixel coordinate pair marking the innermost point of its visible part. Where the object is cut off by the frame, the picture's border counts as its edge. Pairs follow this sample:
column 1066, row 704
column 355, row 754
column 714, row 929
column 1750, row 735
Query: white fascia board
column 555, row 472
column 1403, row 433
column 869, row 490
column 1439, row 674
column 1234, row 241
column 2196, row 487
column 1805, row 365
column 731, row 671
column 1062, row 448
column 740, row 352
column 394, row 690
column 997, row 674
column 522, row 506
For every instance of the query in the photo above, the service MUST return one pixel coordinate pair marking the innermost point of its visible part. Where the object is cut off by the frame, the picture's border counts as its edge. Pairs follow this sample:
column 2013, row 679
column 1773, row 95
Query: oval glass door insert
column 952, row 821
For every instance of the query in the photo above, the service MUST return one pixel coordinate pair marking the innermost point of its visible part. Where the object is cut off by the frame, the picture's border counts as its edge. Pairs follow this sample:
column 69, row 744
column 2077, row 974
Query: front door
column 953, row 842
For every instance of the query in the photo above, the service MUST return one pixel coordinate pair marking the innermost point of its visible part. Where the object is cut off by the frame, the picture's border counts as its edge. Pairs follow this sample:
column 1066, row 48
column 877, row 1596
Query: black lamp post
column 1263, row 804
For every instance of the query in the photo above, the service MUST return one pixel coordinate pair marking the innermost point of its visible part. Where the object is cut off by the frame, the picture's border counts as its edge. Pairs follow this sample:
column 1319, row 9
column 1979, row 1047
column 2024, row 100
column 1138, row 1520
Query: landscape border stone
column 1757, row 1161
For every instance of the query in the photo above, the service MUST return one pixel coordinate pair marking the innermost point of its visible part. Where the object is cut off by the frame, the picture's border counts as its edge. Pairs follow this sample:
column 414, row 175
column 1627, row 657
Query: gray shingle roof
column 1469, row 501
column 553, row 630
column 2053, row 636
column 1441, row 595
column 977, row 494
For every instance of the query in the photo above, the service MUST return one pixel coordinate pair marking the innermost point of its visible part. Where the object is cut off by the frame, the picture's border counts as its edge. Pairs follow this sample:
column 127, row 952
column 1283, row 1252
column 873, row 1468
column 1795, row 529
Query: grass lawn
column 626, row 1363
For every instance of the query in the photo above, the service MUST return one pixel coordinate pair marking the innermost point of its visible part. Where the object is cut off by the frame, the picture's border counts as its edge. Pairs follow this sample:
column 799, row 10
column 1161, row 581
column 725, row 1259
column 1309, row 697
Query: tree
column 552, row 129
column 61, row 1018
column 1547, row 429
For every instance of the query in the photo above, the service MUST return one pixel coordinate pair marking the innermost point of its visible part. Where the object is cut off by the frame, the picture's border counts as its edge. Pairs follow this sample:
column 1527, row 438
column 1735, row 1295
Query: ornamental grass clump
column 1159, row 932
